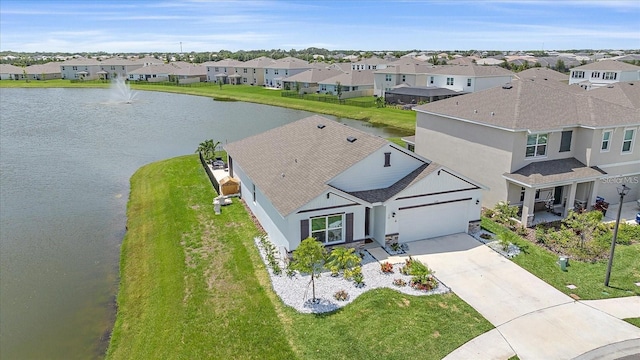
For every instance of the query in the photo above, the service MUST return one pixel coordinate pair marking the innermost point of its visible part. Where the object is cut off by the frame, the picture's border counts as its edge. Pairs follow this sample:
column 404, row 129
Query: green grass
column 193, row 286
column 588, row 277
column 633, row 321
column 400, row 119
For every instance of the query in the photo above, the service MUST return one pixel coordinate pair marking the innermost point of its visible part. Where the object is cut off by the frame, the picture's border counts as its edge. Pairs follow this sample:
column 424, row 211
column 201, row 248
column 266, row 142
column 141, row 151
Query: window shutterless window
column 387, row 77
column 606, row 140
column 565, row 142
column 468, row 82
column 627, row 141
column 609, row 75
column 327, row 229
column 449, row 81
column 536, row 145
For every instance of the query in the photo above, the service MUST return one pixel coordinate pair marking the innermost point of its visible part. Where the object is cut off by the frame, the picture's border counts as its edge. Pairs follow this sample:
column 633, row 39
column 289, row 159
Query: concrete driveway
column 532, row 319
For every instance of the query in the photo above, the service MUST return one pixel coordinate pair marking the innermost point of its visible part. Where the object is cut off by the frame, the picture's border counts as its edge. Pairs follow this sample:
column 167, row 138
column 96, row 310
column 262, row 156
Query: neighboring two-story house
column 426, row 81
column 80, row 68
column 282, row 68
column 220, row 71
column 603, row 73
column 537, row 143
column 252, row 72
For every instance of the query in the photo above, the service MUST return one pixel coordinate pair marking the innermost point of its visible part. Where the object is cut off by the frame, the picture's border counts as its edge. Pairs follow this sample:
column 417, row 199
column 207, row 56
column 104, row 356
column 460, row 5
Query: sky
column 116, row 26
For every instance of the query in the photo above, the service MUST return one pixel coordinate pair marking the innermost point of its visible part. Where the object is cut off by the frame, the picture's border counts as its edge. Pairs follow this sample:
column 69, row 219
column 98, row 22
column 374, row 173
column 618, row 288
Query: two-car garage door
column 433, row 220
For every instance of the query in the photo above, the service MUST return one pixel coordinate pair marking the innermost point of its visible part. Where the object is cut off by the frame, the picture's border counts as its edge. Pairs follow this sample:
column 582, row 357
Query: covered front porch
column 547, row 190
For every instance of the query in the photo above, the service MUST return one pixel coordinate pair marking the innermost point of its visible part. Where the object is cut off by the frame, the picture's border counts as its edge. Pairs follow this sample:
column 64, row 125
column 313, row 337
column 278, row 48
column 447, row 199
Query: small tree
column 309, row 258
column 338, row 89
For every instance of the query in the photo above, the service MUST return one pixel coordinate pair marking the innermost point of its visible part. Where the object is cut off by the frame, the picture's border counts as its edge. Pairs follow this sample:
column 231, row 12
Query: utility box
column 562, row 261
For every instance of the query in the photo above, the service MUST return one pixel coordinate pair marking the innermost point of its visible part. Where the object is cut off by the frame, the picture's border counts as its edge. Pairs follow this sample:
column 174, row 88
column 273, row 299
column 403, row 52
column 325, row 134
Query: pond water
column 66, row 156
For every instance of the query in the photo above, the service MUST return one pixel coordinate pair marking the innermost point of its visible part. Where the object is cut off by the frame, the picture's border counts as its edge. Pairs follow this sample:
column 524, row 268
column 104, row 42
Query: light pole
column 622, row 190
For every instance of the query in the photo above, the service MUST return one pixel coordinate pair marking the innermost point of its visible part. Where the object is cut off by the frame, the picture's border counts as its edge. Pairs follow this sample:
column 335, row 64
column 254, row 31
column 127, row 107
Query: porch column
column 528, row 205
column 570, row 199
column 594, row 193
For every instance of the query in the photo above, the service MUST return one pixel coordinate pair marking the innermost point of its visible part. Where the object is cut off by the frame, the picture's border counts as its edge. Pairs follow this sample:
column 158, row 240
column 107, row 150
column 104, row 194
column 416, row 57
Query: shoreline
column 400, row 120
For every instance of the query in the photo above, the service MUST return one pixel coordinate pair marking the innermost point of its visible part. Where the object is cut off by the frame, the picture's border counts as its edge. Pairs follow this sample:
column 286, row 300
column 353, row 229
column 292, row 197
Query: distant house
column 352, row 83
column 252, row 72
column 48, row 71
column 10, row 72
column 318, row 178
column 537, row 143
column 280, row 69
column 308, row 80
column 80, row 69
column 603, row 73
column 542, row 73
column 454, row 78
column 153, row 73
column 410, row 72
column 118, row 68
column 220, row 71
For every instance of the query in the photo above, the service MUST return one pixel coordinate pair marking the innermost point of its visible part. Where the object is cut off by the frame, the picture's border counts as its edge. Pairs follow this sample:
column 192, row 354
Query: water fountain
column 121, row 91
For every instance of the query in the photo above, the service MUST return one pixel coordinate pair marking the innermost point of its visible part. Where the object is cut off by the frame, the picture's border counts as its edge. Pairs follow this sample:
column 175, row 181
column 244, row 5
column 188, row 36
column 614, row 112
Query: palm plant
column 208, row 149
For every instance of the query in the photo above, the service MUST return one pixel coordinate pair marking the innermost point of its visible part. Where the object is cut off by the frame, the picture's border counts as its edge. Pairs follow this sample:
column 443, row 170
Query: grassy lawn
column 400, row 119
column 193, row 286
column 588, row 277
column 634, row 321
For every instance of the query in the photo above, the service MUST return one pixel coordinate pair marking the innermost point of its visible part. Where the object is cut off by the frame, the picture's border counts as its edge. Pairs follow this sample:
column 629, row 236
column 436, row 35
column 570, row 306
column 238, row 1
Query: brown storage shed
column 229, row 186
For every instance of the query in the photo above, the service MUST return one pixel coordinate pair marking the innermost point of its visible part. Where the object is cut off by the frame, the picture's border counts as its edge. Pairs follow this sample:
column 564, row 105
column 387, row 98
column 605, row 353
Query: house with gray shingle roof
column 539, row 144
column 11, row 72
column 308, row 80
column 283, row 68
column 603, row 73
column 318, row 178
column 353, row 83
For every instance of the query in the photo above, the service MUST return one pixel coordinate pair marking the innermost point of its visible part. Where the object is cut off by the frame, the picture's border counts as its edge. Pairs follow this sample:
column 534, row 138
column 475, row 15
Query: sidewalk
column 533, row 320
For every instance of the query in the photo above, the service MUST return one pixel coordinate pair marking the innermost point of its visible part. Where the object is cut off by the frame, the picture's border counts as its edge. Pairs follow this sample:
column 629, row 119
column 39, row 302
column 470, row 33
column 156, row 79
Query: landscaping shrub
column 386, row 268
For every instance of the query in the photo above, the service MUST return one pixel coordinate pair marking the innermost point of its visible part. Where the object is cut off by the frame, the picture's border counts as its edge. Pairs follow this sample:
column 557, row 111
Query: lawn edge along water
column 402, row 120
column 193, row 286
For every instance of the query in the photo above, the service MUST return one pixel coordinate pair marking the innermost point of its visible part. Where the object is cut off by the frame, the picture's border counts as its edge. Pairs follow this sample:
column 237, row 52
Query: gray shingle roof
column 542, row 73
column 611, row 65
column 292, row 164
column 553, row 171
column 622, row 93
column 471, row 70
column 534, row 105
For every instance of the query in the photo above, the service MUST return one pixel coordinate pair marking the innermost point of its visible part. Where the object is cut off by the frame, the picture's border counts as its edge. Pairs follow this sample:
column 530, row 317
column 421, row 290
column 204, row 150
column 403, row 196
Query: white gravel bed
column 296, row 291
column 512, row 250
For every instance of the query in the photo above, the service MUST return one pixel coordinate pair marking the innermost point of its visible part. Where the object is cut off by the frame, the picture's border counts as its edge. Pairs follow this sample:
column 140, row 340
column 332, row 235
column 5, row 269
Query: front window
column 275, row 72
column 450, row 81
column 595, row 74
column 606, row 140
column 468, row 82
column 387, row 77
column 627, row 141
column 404, row 78
column 431, row 80
column 578, row 75
column 536, row 145
column 609, row 75
column 327, row 229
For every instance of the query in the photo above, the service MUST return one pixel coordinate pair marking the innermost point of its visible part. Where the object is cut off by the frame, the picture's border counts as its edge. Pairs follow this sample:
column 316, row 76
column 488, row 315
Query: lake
column 66, row 156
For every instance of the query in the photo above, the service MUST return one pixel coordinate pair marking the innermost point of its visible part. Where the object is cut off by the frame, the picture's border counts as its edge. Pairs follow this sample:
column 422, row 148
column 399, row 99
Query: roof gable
column 292, row 164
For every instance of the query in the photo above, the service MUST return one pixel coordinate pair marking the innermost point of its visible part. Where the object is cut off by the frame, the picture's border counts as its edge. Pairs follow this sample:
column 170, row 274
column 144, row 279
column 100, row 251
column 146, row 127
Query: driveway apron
column 535, row 319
